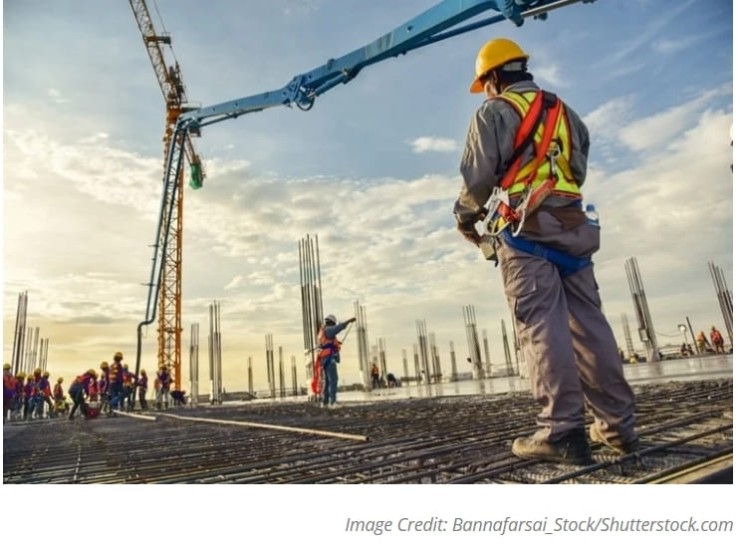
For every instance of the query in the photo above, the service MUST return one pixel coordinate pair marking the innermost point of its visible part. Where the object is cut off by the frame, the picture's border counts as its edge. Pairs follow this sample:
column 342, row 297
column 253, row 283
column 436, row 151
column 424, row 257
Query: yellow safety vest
column 566, row 185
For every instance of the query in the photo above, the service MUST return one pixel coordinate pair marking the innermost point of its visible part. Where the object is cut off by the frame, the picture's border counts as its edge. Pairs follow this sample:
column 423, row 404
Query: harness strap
column 565, row 263
column 553, row 108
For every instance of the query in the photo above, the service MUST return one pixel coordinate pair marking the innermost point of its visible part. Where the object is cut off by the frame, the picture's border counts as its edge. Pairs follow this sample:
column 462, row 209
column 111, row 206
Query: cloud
column 388, row 243
column 425, row 144
column 56, row 96
column 654, row 131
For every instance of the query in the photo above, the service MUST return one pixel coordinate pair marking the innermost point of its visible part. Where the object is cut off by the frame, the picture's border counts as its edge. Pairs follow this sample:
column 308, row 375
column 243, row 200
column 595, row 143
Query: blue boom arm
column 437, row 23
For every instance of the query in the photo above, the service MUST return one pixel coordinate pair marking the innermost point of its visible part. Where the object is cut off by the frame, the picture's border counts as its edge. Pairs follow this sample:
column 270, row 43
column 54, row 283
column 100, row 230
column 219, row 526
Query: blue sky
column 371, row 169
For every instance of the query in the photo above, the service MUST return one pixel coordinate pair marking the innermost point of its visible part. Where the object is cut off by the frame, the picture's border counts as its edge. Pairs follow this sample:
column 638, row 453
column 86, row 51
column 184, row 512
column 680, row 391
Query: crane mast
column 169, row 330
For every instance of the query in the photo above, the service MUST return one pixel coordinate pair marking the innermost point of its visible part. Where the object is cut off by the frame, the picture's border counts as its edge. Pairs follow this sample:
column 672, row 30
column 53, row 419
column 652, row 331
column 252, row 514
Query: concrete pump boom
column 437, row 23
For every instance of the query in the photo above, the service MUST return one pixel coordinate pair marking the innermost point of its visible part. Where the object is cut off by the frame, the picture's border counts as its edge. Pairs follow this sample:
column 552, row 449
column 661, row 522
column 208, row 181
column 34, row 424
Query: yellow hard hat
column 60, row 380
column 104, row 365
column 493, row 54
column 46, row 373
column 6, row 367
column 20, row 374
column 37, row 371
column 118, row 356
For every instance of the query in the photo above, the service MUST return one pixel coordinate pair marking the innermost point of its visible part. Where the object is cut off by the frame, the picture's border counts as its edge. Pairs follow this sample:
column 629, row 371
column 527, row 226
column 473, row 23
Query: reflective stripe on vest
column 566, row 185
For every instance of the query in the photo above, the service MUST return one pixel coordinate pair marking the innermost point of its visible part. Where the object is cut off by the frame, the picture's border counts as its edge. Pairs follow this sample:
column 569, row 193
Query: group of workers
column 93, row 392
column 32, row 396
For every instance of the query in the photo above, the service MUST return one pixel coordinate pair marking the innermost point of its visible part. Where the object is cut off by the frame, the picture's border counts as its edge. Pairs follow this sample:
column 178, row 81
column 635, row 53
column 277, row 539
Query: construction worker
column 8, row 391
column 142, row 383
column 718, row 342
column 18, row 399
column 527, row 152
column 58, row 393
column 701, row 343
column 79, row 388
column 45, row 393
column 104, row 387
column 163, row 387
column 29, row 397
column 375, row 376
column 329, row 347
column 116, row 382
column 128, row 389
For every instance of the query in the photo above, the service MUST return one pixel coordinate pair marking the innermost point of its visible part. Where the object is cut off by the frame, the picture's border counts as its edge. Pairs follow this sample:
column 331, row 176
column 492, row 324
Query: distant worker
column 701, row 343
column 329, row 347
column 143, row 383
column 8, row 391
column 116, row 382
column 127, row 401
column 60, row 404
column 375, row 375
column 164, row 381
column 80, row 388
column 45, row 392
column 527, row 151
column 104, row 387
column 392, row 380
column 178, row 398
column 718, row 342
column 18, row 399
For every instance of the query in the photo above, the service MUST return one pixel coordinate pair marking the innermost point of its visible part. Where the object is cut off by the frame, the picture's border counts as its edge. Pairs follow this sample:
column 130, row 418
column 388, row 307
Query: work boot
column 570, row 449
column 617, row 444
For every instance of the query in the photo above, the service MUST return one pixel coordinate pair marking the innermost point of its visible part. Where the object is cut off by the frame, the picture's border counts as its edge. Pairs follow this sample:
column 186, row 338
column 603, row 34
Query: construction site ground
column 685, row 427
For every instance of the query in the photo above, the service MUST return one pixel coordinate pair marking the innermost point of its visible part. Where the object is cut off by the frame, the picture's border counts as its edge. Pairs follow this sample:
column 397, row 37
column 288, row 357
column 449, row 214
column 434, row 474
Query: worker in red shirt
column 45, row 394
column 8, row 391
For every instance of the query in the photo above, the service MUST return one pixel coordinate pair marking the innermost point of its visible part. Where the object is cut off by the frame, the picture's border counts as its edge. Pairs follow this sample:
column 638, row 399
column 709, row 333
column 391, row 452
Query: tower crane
column 169, row 237
column 442, row 21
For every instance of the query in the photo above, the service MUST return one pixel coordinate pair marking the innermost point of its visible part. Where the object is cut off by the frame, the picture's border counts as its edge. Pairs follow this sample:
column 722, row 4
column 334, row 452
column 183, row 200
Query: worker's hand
column 467, row 229
column 353, row 319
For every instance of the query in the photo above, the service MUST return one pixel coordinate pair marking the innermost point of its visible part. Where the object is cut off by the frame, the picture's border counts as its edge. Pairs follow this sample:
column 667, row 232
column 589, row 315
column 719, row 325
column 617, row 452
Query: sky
column 372, row 170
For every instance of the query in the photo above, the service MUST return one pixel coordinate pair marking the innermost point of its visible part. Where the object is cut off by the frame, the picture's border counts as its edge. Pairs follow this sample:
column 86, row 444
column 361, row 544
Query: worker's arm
column 580, row 145
column 488, row 148
column 333, row 330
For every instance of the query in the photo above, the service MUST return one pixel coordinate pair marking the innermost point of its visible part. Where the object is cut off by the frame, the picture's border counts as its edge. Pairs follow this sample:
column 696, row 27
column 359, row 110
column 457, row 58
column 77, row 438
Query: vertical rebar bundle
column 724, row 296
column 471, row 332
column 294, row 375
column 507, row 350
column 362, row 345
column 434, row 356
column 405, row 365
column 489, row 364
column 311, row 296
column 281, row 372
column 627, row 336
column 214, row 353
column 193, row 360
column 32, row 344
column 644, row 321
column 381, row 358
column 250, row 377
column 421, row 332
column 417, row 366
column 19, row 336
column 453, row 362
column 44, row 354
column 270, row 360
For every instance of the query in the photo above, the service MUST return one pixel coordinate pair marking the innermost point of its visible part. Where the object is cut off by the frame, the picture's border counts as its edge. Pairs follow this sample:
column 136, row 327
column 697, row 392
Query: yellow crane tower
column 169, row 330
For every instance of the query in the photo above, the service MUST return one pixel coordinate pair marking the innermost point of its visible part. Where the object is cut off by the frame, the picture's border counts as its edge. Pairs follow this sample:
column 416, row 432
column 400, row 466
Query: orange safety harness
column 553, row 108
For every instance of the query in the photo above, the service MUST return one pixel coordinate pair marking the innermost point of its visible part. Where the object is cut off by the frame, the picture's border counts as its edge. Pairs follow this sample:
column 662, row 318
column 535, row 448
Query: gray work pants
column 567, row 343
